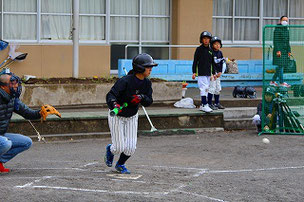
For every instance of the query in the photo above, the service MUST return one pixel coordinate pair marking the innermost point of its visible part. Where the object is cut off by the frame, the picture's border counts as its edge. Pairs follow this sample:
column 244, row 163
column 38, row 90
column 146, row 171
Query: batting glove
column 136, row 99
column 116, row 105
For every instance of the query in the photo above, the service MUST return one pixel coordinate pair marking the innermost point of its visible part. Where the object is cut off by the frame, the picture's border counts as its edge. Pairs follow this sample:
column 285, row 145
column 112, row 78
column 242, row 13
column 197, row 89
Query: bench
column 250, row 72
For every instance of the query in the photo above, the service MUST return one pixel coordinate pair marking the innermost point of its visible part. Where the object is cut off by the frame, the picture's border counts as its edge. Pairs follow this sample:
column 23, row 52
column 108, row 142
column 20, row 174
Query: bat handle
column 114, row 112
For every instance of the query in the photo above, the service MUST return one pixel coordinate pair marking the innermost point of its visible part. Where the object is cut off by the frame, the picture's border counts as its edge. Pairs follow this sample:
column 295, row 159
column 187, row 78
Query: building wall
column 189, row 19
column 46, row 61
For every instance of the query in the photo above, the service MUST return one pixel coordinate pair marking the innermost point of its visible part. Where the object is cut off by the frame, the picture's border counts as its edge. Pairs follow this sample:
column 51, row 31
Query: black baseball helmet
column 141, row 61
column 205, row 34
column 214, row 39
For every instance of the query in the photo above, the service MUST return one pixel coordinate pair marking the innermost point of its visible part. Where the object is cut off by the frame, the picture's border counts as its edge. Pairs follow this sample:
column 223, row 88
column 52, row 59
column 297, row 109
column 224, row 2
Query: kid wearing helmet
column 204, row 68
column 215, row 83
column 133, row 89
column 270, row 122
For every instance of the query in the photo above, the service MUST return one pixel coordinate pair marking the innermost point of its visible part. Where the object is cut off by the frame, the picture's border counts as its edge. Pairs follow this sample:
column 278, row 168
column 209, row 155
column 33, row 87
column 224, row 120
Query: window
column 241, row 21
column 100, row 21
column 115, row 22
column 19, row 19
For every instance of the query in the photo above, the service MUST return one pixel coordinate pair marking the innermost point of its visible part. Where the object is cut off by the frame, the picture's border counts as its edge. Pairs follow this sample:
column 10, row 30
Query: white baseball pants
column 203, row 84
column 215, row 87
column 123, row 134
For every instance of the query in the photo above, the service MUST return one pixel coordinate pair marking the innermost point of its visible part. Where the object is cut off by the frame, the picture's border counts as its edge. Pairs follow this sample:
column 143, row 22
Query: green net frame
column 283, row 89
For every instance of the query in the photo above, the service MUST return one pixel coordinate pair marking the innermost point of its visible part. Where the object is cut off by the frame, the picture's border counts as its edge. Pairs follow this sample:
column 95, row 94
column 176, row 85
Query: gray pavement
column 220, row 166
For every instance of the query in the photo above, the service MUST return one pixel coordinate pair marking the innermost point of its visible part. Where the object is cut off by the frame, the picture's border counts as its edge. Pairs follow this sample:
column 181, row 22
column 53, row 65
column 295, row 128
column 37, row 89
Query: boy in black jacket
column 215, row 84
column 132, row 89
column 203, row 67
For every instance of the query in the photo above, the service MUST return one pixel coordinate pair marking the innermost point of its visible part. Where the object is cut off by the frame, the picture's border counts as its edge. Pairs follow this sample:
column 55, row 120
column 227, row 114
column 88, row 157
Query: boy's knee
column 5, row 145
column 28, row 143
column 117, row 149
column 130, row 150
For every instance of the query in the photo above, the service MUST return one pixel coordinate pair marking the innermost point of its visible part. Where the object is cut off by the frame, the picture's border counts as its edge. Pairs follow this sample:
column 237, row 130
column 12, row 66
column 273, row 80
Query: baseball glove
column 48, row 109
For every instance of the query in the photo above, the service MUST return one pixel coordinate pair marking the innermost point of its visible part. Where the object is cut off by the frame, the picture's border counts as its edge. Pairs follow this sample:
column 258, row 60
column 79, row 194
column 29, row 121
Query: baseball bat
column 116, row 110
column 144, row 109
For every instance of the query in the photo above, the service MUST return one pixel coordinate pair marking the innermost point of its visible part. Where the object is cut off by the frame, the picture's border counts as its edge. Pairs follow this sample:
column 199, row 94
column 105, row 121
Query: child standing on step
column 203, row 68
column 215, row 83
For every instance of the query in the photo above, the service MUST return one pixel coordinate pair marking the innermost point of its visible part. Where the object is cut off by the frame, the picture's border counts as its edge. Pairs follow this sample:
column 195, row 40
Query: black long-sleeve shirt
column 203, row 63
column 123, row 91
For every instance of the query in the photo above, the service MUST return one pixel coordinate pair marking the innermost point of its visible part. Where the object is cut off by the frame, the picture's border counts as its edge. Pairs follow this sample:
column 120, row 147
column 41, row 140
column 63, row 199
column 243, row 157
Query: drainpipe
column 75, row 38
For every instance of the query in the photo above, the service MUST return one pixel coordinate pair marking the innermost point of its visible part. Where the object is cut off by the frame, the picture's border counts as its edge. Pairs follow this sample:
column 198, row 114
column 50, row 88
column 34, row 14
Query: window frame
column 261, row 19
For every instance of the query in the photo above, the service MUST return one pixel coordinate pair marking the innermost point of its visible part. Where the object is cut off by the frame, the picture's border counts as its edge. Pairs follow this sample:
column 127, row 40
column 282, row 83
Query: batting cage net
column 283, row 90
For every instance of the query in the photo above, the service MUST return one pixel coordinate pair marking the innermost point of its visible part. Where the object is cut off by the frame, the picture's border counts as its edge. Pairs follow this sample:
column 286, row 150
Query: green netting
column 283, row 88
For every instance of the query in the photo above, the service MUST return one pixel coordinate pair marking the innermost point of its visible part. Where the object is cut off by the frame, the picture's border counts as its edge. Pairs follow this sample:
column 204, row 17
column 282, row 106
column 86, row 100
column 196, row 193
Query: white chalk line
column 99, row 190
column 89, row 164
column 35, row 181
column 254, row 170
column 202, row 171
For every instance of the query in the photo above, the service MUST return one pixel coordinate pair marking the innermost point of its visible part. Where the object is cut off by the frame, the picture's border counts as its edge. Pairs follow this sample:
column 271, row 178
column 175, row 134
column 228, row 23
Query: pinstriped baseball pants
column 123, row 134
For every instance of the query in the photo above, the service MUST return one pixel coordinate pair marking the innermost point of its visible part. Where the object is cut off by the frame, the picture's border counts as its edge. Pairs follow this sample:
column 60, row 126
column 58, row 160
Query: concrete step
column 239, row 112
column 97, row 121
column 93, row 122
column 174, row 131
column 238, row 124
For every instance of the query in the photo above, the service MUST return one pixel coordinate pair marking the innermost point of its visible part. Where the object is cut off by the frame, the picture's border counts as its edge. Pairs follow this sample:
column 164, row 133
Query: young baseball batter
column 133, row 89
column 203, row 67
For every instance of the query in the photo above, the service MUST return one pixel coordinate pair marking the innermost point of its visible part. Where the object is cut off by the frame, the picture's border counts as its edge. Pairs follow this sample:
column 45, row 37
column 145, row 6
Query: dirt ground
column 71, row 80
column 222, row 166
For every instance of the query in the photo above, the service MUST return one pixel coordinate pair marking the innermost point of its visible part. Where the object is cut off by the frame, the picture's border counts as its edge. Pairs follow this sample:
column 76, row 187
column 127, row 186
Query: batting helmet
column 205, row 34
column 214, row 39
column 141, row 61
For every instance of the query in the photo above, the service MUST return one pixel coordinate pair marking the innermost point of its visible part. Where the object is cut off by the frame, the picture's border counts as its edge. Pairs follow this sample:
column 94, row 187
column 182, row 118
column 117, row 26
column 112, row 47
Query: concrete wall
column 74, row 94
column 46, row 61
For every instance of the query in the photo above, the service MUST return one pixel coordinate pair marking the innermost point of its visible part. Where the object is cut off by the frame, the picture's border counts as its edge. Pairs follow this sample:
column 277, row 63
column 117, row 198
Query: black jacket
column 203, row 63
column 7, row 107
column 124, row 89
column 218, row 63
column 281, row 43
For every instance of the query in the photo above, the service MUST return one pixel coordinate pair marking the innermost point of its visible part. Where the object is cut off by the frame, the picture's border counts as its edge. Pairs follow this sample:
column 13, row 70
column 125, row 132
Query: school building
column 43, row 28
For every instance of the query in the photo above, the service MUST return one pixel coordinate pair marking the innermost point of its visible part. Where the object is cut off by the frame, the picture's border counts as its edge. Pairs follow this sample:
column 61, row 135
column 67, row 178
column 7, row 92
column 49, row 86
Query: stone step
column 92, row 122
column 174, row 131
column 238, row 124
column 239, row 112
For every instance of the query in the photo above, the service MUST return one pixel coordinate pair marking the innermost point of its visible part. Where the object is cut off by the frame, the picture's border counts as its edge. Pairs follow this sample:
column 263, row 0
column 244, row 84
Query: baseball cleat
column 109, row 157
column 205, row 108
column 219, row 106
column 213, row 107
column 122, row 169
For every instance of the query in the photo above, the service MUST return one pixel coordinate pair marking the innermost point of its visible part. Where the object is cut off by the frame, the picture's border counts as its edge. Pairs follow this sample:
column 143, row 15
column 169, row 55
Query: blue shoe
column 109, row 157
column 122, row 169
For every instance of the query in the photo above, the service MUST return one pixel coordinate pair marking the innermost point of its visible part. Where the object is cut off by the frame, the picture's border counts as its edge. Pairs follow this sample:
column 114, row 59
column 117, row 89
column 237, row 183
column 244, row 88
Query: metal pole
column 75, row 38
